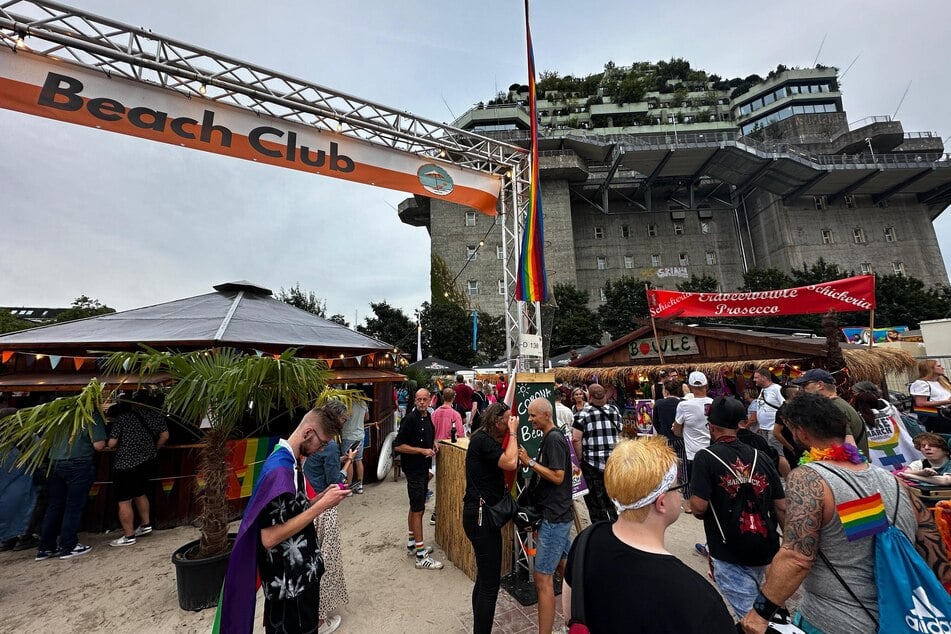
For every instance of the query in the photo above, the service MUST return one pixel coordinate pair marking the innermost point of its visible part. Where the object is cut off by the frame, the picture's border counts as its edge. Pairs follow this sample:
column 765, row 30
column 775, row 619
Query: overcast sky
column 133, row 223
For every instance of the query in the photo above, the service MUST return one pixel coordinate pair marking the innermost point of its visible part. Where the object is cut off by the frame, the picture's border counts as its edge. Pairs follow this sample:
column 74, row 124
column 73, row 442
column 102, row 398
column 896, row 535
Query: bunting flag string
column 531, row 281
column 79, row 361
column 54, row 360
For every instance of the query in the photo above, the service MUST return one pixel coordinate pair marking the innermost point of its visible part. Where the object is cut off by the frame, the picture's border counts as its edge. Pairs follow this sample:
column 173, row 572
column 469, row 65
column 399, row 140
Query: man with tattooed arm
column 830, row 469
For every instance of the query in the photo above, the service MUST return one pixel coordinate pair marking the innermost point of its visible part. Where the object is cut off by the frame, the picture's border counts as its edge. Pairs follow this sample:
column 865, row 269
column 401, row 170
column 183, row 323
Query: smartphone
column 353, row 446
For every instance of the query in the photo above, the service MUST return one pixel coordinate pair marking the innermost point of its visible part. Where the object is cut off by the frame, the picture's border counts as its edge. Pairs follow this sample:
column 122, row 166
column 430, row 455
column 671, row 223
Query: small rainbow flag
column 531, row 284
column 863, row 517
column 94, row 490
column 924, row 409
column 168, row 485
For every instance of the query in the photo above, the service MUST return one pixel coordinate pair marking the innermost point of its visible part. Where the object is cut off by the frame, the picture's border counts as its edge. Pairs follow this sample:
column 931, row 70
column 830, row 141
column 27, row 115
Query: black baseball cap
column 726, row 411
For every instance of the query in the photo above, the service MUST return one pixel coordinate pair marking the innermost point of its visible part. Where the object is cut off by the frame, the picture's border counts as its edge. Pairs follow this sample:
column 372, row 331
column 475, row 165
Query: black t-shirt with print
column 554, row 500
column 711, row 481
column 484, row 478
column 630, row 591
column 137, row 431
column 294, row 565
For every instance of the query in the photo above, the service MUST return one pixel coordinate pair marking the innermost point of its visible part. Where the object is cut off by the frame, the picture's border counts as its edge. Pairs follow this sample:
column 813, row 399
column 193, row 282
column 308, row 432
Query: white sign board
column 530, row 346
column 671, row 346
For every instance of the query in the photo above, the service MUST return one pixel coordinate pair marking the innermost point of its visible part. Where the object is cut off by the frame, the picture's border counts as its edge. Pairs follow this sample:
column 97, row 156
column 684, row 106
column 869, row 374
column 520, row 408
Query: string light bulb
column 20, row 40
column 202, row 89
column 339, row 125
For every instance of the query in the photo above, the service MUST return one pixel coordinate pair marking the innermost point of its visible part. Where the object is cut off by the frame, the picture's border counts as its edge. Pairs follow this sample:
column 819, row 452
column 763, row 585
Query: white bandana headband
column 651, row 497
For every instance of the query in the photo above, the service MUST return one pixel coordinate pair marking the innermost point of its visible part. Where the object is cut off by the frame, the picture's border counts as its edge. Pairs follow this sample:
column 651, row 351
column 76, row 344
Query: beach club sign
column 36, row 85
column 846, row 295
column 670, row 346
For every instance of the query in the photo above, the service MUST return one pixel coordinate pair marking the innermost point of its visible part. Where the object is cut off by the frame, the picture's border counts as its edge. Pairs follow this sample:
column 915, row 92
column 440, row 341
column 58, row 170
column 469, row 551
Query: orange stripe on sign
column 24, row 97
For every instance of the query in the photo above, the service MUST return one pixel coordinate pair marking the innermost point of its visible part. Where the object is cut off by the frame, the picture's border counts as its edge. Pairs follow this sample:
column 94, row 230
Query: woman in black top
column 492, row 449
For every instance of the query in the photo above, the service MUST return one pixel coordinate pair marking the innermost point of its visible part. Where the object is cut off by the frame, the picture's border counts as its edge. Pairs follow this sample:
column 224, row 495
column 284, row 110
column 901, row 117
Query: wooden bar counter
column 450, row 487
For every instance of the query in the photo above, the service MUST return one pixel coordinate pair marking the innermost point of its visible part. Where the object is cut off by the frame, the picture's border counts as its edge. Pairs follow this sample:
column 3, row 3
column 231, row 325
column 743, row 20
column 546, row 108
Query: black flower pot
column 199, row 580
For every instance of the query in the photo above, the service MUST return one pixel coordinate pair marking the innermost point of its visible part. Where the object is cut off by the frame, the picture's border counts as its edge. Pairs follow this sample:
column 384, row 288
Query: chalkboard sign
column 528, row 387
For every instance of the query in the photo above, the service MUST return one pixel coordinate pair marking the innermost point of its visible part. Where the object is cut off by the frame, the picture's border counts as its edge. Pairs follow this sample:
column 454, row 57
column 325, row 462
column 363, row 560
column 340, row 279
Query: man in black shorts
column 137, row 433
column 416, row 442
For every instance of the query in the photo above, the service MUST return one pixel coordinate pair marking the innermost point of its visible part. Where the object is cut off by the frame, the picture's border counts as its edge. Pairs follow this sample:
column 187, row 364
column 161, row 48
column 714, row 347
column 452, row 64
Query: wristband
column 764, row 607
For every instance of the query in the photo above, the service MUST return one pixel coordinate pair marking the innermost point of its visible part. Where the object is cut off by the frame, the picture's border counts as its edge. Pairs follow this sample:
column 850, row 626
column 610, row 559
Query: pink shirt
column 443, row 420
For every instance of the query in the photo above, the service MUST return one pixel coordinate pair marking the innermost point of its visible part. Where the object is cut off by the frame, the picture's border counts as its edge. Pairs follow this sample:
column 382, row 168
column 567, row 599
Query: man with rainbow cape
column 277, row 545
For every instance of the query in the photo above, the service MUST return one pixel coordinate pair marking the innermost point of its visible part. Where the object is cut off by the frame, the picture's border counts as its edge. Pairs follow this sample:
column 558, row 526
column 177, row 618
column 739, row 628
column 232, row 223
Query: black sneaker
column 43, row 555
column 79, row 549
column 432, row 519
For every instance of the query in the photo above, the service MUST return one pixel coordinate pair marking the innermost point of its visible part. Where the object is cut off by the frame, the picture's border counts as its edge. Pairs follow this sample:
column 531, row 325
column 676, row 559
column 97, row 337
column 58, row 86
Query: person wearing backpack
column 836, row 502
column 736, row 491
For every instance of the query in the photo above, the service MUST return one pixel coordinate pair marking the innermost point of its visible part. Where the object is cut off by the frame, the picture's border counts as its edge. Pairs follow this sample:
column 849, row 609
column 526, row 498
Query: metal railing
column 921, row 135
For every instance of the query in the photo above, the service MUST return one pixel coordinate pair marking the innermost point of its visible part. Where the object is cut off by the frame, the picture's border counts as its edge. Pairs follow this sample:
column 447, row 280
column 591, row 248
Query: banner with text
column 847, row 295
column 40, row 86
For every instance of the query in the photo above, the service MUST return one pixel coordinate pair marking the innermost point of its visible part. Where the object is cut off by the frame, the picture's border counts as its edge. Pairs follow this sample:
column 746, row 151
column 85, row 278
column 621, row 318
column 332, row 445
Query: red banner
column 847, row 295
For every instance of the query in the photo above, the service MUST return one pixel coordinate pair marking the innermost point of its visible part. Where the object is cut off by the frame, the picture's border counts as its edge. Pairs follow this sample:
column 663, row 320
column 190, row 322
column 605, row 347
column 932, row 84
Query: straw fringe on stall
column 864, row 365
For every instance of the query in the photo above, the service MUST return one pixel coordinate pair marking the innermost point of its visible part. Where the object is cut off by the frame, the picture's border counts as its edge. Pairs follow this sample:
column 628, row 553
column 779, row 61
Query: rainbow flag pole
column 531, row 283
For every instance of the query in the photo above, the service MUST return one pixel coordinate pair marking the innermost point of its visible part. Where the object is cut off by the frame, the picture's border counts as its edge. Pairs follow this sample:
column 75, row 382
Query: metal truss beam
column 845, row 191
column 703, row 167
column 809, row 184
column 660, row 166
column 618, row 153
column 749, row 182
column 934, row 194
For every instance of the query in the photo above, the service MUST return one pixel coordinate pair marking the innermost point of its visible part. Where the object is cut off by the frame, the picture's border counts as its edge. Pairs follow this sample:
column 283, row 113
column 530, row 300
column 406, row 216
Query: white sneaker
column 123, row 541
column 331, row 623
column 428, row 563
column 143, row 530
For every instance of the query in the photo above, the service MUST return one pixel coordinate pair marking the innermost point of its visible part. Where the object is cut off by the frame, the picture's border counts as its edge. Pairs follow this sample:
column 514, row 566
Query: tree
column 903, row 301
column 9, row 323
column 442, row 283
column 391, row 325
column 702, row 284
column 447, row 332
column 625, row 300
column 757, row 279
column 304, row 300
column 82, row 308
column 491, row 338
column 340, row 319
column 819, row 272
column 573, row 323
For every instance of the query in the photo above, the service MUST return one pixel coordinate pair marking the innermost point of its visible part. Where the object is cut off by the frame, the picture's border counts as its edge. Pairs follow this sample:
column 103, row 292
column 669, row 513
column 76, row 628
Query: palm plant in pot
column 222, row 386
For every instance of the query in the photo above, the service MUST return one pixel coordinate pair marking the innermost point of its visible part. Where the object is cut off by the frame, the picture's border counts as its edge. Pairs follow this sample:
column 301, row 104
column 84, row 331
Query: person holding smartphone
column 323, row 469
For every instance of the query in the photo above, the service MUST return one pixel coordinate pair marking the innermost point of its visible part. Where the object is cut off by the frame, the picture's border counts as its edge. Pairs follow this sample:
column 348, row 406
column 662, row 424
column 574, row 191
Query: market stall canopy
column 438, row 366
column 239, row 314
column 712, row 350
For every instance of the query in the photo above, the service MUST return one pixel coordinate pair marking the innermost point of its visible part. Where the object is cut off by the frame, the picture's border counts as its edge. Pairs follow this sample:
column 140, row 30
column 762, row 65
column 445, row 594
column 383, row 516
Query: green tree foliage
column 904, row 301
column 391, row 325
column 626, row 300
column 702, row 284
column 491, row 338
column 339, row 319
column 82, row 308
column 9, row 323
column 447, row 332
column 631, row 89
column 765, row 279
column 573, row 323
column 305, row 300
column 817, row 273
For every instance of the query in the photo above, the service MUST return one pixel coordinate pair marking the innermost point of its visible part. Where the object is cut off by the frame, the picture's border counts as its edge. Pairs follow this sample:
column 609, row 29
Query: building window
column 899, row 268
column 602, row 295
column 470, row 218
column 501, row 287
column 684, row 260
column 602, row 263
column 711, row 258
column 625, row 231
column 858, row 235
column 890, row 234
column 473, row 287
column 866, row 268
column 655, row 260
column 628, row 261
column 598, row 233
column 827, row 236
column 849, row 202
column 471, row 252
column 678, row 228
column 498, row 252
column 820, row 202
column 704, row 226
column 652, row 231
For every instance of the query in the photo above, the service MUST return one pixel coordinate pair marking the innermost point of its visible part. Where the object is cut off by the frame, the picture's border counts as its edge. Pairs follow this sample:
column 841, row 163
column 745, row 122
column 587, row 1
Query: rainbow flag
column 168, row 485
column 925, row 409
column 246, row 460
column 863, row 517
column 531, row 284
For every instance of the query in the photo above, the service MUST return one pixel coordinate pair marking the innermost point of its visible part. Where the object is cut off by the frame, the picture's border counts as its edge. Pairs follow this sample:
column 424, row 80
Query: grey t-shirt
column 353, row 428
column 825, row 603
column 554, row 500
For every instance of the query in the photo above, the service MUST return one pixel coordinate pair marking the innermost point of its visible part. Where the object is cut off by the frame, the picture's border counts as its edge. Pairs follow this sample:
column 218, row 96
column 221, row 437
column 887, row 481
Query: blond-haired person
column 632, row 583
column 931, row 391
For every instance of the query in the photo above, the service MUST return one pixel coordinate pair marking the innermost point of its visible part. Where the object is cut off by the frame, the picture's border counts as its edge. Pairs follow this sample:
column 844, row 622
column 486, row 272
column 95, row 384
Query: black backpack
column 750, row 526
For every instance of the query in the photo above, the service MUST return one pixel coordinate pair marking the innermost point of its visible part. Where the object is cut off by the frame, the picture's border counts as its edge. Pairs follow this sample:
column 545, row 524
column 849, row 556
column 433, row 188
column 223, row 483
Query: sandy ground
column 132, row 589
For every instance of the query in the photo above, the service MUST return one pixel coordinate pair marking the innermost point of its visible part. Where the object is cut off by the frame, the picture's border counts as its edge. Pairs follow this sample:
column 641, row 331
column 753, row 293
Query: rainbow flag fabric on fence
column 531, row 284
column 863, row 517
column 246, row 459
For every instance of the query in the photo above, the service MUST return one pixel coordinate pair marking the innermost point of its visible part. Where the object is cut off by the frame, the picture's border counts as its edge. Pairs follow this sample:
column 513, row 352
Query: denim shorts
column 346, row 445
column 739, row 584
column 553, row 542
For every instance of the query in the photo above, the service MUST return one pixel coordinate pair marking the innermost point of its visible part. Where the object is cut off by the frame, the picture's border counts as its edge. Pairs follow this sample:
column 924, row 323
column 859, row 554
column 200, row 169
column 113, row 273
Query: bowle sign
column 847, row 295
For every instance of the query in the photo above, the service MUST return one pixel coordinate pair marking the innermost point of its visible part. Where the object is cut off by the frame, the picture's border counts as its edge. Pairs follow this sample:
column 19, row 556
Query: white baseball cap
column 697, row 379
